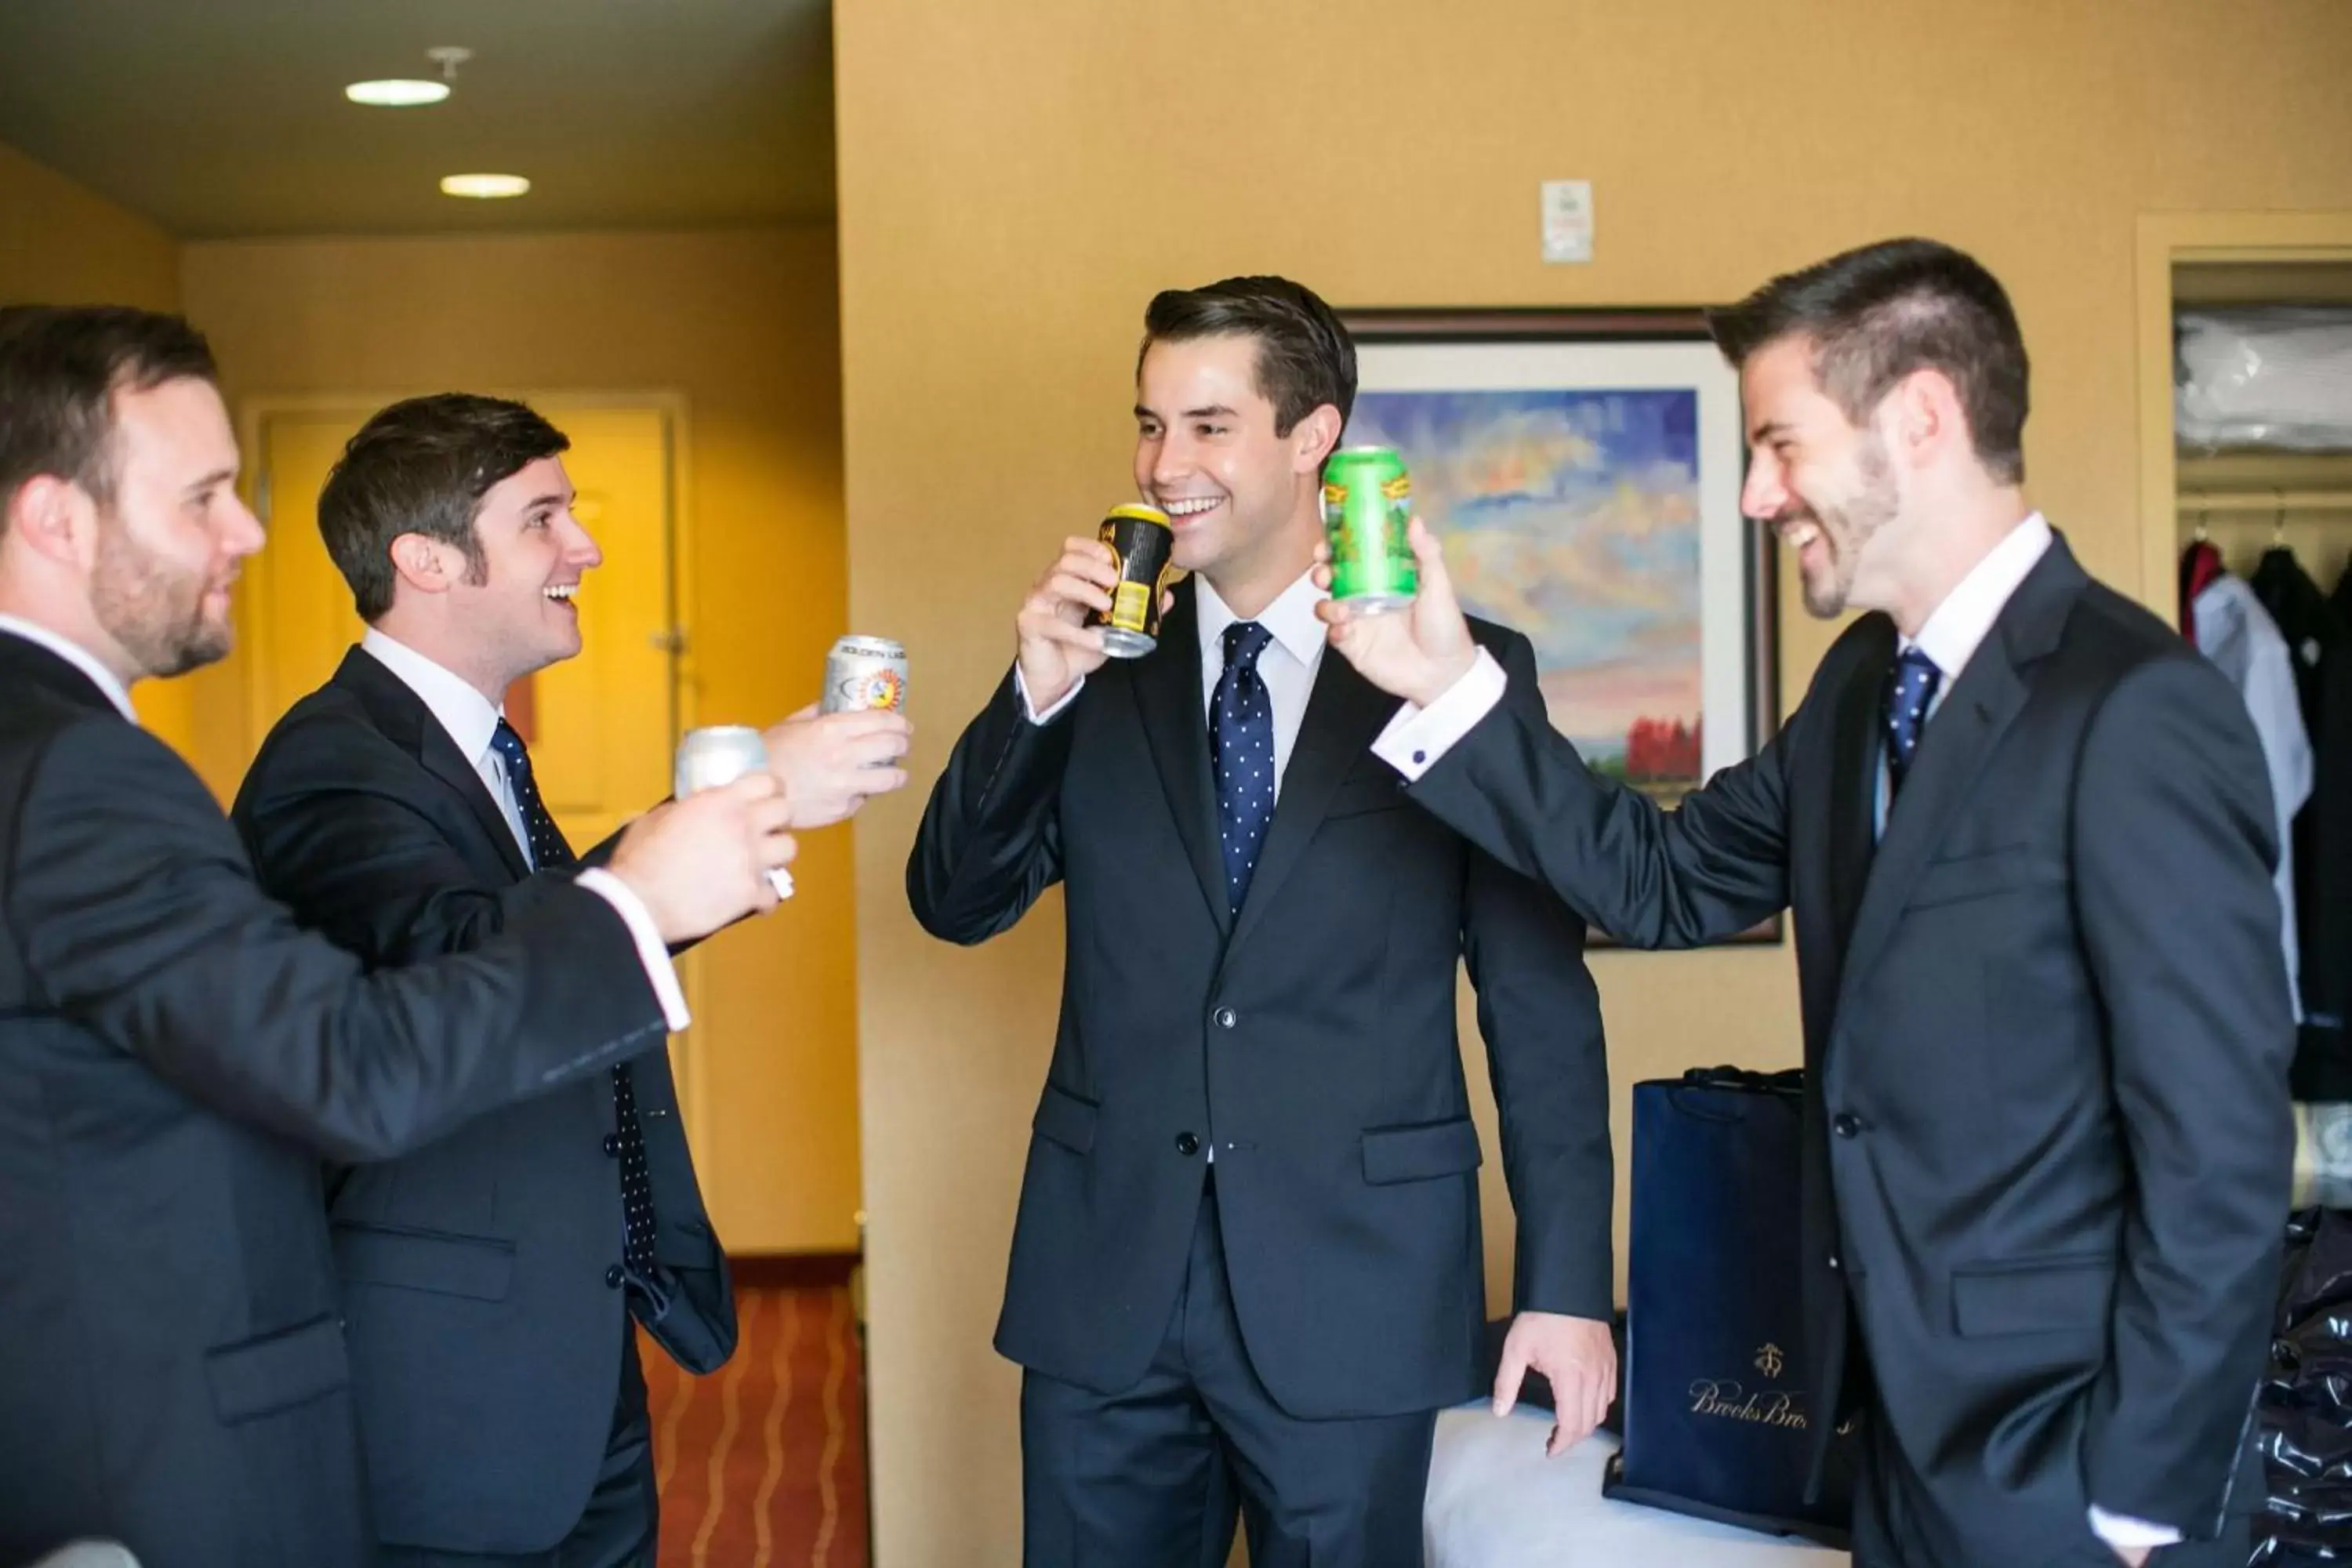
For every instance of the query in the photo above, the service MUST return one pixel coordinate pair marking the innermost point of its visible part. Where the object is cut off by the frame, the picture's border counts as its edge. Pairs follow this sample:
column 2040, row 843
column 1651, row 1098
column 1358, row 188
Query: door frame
column 2165, row 241
column 254, row 415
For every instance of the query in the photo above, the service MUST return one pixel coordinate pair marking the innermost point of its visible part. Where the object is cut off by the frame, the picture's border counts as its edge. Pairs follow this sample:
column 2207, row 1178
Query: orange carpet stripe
column 731, row 1397
column 836, row 1363
column 772, row 1435
column 768, row 1470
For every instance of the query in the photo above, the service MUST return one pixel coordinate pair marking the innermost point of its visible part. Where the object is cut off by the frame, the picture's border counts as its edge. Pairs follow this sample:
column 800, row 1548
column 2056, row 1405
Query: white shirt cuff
column 2118, row 1530
column 652, row 952
column 1418, row 736
column 1050, row 714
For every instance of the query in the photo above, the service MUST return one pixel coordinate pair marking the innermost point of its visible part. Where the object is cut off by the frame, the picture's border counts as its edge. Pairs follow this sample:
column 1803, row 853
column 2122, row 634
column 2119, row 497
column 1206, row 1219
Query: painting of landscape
column 1573, row 515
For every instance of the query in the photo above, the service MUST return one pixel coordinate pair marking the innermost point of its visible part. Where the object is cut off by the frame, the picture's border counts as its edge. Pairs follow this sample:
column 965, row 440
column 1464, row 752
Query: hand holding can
column 1367, row 510
column 718, row 754
column 1142, row 542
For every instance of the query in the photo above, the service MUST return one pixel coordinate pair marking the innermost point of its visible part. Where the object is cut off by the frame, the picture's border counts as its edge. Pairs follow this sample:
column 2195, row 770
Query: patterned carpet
column 762, row 1464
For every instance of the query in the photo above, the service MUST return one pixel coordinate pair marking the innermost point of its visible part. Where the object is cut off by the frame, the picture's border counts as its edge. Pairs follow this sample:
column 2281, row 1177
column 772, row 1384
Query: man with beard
column 180, row 1053
column 2027, row 838
column 1246, row 1269
column 493, row 1280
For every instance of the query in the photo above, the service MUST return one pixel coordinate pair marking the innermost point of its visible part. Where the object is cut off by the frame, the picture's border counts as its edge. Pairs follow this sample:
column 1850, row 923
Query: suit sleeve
column 373, row 874
column 1539, row 1014
column 1707, row 871
column 2174, row 848
column 140, row 920
column 990, row 839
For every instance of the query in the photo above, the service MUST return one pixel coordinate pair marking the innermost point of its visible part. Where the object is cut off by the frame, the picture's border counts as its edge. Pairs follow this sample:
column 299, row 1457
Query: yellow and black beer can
column 1141, row 544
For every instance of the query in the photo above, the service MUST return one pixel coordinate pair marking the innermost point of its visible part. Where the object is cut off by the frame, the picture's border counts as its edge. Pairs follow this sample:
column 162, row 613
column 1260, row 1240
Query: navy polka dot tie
column 549, row 851
column 1241, row 749
column 1908, row 697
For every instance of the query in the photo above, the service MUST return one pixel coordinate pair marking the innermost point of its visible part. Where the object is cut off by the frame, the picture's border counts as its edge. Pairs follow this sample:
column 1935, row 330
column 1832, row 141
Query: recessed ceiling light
column 396, row 93
column 484, row 187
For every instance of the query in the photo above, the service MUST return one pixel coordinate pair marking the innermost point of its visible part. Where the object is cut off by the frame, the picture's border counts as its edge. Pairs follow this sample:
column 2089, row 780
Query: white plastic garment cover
column 2279, row 377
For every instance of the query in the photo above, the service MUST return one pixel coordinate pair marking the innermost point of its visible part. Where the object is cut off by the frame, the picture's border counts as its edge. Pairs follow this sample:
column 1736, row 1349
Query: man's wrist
column 1446, row 677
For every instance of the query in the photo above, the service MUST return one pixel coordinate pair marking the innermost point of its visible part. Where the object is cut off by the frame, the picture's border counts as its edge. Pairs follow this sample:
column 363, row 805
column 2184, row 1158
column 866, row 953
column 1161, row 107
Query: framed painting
column 1583, row 467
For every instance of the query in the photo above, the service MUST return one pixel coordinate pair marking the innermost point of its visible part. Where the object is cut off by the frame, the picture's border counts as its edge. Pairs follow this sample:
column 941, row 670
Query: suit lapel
column 1854, row 784
column 405, row 719
column 1344, row 715
column 1958, row 742
column 1176, row 726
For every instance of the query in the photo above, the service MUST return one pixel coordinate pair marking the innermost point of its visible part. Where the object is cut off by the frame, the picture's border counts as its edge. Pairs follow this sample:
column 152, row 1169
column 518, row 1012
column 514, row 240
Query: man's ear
column 424, row 563
column 55, row 518
column 1315, row 438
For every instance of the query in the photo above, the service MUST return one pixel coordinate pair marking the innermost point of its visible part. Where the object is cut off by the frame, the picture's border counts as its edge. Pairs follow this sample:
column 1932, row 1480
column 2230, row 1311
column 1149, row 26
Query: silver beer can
column 717, row 756
column 863, row 674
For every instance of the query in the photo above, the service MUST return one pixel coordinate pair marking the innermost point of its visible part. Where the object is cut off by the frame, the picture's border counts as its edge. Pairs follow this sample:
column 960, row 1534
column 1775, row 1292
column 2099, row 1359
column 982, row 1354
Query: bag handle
column 1788, row 1080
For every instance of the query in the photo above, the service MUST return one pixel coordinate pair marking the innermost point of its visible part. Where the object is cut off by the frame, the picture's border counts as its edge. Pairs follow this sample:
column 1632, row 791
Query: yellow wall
column 1017, row 177
column 744, row 325
column 63, row 245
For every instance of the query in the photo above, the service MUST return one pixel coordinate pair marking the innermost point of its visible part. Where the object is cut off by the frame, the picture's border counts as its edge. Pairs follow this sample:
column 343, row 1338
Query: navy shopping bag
column 1716, row 1421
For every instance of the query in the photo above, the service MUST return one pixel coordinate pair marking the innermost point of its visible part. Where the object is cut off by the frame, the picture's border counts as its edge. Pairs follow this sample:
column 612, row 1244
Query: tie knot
column 1915, row 677
column 1244, row 641
column 507, row 744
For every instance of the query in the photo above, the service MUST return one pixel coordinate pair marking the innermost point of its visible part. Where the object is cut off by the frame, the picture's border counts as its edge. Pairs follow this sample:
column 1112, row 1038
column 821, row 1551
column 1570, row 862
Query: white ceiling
column 227, row 118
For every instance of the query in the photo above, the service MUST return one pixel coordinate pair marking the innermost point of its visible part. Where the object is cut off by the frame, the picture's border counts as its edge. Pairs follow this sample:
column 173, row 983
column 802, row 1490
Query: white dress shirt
column 81, row 658
column 2239, row 637
column 471, row 720
column 1288, row 665
column 1954, row 630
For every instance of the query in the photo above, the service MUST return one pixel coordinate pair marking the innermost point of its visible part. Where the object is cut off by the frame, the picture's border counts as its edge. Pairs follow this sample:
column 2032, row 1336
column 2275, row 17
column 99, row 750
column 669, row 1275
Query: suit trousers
column 621, row 1524
column 1152, row 1476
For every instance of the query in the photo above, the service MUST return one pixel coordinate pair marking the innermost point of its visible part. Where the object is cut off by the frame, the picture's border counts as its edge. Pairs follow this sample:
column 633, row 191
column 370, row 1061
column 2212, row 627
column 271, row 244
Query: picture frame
column 1584, row 467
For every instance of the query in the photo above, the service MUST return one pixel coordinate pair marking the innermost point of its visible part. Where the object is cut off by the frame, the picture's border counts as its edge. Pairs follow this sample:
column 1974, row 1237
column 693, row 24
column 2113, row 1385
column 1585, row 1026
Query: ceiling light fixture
column 484, row 187
column 408, row 93
column 396, row 93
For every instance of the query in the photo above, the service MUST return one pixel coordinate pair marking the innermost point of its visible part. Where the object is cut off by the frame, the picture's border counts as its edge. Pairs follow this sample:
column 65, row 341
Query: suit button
column 612, row 1144
column 1847, row 1125
column 1226, row 1018
column 1187, row 1145
column 612, row 1278
column 1833, row 1261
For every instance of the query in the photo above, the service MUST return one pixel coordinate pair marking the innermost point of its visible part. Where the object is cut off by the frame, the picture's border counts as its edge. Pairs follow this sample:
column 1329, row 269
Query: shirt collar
column 465, row 713
column 81, row 658
column 1962, row 622
column 1291, row 620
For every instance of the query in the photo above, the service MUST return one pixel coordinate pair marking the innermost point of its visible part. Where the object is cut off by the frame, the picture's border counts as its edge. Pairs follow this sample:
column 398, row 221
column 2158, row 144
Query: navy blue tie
column 1908, row 697
column 549, row 851
column 1240, row 751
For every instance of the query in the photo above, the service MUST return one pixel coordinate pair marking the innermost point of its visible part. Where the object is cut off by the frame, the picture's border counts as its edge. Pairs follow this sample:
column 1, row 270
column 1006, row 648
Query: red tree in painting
column 1661, row 751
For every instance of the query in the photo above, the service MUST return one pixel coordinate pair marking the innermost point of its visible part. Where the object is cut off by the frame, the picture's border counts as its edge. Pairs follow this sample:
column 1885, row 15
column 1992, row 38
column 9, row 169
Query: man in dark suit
column 1247, row 1264
column 2026, row 833
column 180, row 1051
column 490, row 1278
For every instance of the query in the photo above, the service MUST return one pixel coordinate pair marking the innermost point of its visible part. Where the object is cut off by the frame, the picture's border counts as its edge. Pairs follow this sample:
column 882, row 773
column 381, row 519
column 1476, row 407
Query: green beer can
column 1366, row 503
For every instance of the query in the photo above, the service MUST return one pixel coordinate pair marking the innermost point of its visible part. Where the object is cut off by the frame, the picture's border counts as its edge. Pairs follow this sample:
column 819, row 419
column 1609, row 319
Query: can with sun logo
column 865, row 673
column 1366, row 503
column 1141, row 544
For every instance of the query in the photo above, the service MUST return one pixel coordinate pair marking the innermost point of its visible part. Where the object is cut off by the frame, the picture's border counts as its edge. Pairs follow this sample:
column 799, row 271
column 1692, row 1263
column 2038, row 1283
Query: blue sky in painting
column 1572, row 516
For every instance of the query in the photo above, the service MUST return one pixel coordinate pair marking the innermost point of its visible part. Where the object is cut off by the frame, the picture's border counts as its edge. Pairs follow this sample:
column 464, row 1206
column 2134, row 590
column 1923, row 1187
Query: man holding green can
column 1247, row 1269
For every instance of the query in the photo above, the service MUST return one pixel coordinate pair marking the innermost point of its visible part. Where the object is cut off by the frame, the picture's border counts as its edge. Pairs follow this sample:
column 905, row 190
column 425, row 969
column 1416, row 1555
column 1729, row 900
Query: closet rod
column 2266, row 500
